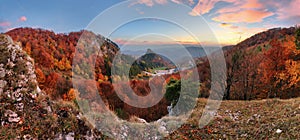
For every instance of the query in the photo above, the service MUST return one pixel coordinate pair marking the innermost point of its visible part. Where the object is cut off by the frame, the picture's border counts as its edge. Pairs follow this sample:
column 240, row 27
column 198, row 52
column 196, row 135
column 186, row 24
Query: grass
column 246, row 120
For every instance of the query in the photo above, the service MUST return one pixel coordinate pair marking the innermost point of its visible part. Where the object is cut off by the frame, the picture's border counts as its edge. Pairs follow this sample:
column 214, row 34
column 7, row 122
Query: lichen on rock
column 17, row 82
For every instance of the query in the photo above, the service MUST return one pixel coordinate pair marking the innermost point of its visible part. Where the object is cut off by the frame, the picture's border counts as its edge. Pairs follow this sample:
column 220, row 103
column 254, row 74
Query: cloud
column 245, row 16
column 189, row 2
column 149, row 3
column 285, row 11
column 252, row 4
column 120, row 41
column 8, row 25
column 289, row 10
column 205, row 6
column 23, row 19
column 248, row 32
column 237, row 11
column 161, row 1
column 234, row 34
column 243, row 11
column 145, row 2
column 227, row 25
column 228, row 10
column 5, row 23
column 124, row 42
column 241, row 5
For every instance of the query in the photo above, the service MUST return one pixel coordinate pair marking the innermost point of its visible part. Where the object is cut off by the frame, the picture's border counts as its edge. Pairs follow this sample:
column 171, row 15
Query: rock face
column 27, row 113
column 17, row 80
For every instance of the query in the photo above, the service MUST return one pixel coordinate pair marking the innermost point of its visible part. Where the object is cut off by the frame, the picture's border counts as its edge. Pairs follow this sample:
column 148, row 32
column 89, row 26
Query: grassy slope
column 246, row 120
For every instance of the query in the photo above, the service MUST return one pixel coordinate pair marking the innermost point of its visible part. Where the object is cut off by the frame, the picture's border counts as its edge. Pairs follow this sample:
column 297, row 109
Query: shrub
column 297, row 40
column 173, row 91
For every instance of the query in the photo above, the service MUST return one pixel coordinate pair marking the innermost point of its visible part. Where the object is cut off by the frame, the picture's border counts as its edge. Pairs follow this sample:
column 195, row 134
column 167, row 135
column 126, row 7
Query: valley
column 261, row 72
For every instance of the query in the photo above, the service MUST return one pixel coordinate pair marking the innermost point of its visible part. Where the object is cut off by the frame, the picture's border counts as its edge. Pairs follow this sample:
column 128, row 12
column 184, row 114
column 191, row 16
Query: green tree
column 184, row 92
column 173, row 91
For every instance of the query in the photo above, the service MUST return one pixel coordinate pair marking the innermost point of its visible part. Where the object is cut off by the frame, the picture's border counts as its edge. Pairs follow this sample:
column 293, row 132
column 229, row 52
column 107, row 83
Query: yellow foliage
column 71, row 95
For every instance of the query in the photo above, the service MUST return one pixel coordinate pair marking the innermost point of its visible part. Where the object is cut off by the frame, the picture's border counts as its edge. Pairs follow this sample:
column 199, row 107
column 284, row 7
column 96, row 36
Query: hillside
column 257, row 119
column 264, row 66
column 25, row 111
column 54, row 56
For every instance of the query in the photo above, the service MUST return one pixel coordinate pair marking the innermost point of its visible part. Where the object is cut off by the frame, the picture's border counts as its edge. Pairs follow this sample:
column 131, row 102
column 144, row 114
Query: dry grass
column 262, row 119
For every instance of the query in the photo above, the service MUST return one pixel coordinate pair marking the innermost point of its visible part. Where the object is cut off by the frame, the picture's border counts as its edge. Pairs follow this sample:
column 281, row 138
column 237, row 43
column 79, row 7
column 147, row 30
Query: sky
column 140, row 22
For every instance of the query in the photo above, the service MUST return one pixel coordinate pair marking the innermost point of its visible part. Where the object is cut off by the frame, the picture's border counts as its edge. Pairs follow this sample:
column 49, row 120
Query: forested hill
column 266, row 65
column 53, row 55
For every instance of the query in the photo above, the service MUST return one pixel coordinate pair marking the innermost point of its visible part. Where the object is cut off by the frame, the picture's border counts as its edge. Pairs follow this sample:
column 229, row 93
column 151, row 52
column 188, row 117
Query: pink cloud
column 120, row 41
column 240, row 5
column 252, row 4
column 247, row 11
column 23, row 19
column 145, row 2
column 246, row 16
column 189, row 2
column 228, row 10
column 205, row 6
column 286, row 11
column 5, row 24
column 289, row 10
column 149, row 3
column 161, row 1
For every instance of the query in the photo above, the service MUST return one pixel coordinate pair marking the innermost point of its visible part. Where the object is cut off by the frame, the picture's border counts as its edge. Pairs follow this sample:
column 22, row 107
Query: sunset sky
column 230, row 20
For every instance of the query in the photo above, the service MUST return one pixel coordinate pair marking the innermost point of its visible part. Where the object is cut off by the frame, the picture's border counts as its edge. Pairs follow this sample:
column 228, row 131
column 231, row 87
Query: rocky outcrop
column 27, row 113
column 17, row 80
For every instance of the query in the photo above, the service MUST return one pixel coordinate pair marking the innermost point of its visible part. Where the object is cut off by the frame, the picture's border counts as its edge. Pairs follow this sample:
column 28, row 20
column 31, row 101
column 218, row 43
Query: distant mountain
column 152, row 60
column 194, row 51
